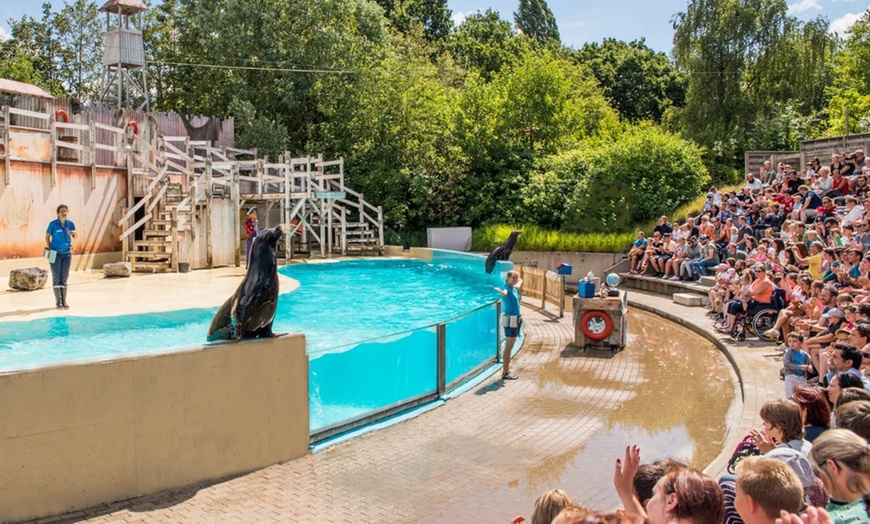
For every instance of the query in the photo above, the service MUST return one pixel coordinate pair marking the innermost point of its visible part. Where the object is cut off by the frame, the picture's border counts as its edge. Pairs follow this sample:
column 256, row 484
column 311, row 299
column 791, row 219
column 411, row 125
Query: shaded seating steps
column 684, row 293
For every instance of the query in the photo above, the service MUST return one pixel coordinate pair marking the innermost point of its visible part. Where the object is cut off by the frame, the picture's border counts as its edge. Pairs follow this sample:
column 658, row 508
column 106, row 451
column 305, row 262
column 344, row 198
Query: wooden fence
column 821, row 147
column 546, row 286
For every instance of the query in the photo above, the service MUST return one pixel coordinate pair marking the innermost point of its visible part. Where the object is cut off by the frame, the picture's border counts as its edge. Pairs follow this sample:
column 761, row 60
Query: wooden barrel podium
column 600, row 322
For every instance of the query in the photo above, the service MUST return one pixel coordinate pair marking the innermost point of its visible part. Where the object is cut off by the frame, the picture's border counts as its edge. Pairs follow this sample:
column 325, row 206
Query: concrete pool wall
column 78, row 435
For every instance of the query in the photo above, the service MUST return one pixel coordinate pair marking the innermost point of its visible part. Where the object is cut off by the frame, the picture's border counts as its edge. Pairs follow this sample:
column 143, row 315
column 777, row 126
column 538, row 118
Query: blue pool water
column 365, row 323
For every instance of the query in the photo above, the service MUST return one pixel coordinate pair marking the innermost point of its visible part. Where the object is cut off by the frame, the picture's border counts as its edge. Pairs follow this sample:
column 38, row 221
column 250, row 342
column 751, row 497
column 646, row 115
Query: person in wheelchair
column 759, row 296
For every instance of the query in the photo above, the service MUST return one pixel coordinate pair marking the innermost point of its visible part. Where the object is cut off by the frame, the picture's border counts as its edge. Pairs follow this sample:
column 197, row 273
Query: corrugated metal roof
column 22, row 88
column 127, row 6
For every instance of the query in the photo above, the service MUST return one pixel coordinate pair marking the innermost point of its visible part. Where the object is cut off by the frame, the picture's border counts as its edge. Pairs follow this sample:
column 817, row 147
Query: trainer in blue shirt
column 512, row 320
column 58, row 238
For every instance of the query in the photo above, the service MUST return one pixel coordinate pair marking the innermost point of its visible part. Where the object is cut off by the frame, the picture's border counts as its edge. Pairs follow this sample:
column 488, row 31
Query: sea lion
column 250, row 311
column 502, row 252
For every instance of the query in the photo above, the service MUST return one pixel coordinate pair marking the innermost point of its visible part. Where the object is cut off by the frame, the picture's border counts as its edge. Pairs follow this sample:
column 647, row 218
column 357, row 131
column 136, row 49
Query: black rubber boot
column 58, row 298
column 63, row 297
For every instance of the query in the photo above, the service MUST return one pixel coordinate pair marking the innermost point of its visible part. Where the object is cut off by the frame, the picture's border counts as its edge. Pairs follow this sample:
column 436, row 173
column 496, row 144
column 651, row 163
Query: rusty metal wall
column 29, row 203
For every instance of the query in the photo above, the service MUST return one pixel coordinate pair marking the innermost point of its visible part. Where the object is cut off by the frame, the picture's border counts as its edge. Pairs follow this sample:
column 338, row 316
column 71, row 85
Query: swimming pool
column 370, row 326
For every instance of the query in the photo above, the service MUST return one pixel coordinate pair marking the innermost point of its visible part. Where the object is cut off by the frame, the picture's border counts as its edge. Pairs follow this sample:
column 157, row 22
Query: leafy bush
column 612, row 184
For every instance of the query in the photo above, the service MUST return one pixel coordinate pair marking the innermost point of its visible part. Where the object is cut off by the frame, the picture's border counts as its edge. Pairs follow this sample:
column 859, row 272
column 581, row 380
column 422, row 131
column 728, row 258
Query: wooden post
column 237, row 204
column 129, row 153
column 174, row 238
column 7, row 178
column 381, row 227
column 53, row 146
column 288, row 188
column 208, row 210
column 92, row 152
column 124, row 249
column 260, row 171
column 343, row 231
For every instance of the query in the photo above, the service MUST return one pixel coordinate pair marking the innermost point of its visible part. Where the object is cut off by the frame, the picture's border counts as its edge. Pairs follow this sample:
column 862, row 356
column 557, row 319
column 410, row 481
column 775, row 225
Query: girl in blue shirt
column 58, row 238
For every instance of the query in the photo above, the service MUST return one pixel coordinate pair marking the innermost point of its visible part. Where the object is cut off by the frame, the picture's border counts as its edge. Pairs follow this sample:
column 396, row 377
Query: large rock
column 28, row 279
column 117, row 269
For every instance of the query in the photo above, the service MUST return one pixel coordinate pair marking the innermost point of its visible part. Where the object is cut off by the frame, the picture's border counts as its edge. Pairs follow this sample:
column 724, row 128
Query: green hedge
column 535, row 238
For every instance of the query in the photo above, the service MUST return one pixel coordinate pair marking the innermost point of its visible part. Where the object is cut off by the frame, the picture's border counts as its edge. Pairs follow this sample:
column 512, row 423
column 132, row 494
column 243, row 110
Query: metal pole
column 441, row 377
column 498, row 331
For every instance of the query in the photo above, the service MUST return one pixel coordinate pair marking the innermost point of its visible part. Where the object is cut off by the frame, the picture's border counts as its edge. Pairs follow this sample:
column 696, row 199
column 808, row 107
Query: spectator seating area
column 786, row 260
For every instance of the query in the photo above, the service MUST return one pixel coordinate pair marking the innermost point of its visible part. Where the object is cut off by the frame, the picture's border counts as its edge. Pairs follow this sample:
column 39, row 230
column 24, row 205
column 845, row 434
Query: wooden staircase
column 199, row 219
column 154, row 252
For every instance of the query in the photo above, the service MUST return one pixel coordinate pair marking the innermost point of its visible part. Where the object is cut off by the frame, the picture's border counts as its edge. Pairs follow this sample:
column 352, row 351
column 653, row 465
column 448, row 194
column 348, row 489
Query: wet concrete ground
column 486, row 455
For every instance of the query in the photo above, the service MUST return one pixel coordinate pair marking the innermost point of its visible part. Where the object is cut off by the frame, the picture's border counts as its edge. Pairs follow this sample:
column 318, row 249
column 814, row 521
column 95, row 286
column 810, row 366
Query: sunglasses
column 865, row 355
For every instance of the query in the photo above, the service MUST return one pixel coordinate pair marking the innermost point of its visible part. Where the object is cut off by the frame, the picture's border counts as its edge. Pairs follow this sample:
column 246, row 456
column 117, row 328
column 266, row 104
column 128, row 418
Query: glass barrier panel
column 470, row 342
column 358, row 380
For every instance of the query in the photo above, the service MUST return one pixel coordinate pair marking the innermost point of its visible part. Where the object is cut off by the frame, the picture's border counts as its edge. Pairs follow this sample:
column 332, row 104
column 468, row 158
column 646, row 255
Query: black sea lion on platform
column 502, row 252
column 250, row 311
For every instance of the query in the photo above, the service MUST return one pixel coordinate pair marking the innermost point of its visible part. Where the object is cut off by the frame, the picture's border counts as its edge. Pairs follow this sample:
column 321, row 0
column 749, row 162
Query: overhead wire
column 255, row 68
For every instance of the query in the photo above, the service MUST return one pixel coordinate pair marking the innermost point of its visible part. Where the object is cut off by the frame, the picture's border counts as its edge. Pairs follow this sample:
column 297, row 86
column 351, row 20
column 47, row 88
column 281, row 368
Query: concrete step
column 662, row 286
column 690, row 299
column 708, row 281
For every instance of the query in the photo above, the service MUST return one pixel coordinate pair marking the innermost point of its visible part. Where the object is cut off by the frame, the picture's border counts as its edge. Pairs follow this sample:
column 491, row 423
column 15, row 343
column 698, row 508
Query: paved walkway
column 482, row 457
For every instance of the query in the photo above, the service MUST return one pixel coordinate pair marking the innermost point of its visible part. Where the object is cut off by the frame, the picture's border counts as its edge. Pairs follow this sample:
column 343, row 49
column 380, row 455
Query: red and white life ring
column 61, row 116
column 134, row 125
column 596, row 325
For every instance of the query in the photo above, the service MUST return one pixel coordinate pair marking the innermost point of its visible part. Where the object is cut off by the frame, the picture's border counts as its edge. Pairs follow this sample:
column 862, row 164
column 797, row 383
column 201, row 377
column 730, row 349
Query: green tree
column 37, row 39
column 485, row 43
column 80, row 42
column 535, row 20
column 271, row 53
column 639, row 83
column 391, row 121
column 851, row 80
column 17, row 65
column 433, row 15
column 716, row 44
column 538, row 106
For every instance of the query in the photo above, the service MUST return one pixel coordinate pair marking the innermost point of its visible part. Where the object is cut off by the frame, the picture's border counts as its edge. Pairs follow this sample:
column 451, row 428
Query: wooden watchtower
column 124, row 80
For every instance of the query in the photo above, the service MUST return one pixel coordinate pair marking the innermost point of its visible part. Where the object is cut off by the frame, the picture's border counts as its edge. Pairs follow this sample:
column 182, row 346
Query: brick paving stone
column 481, row 457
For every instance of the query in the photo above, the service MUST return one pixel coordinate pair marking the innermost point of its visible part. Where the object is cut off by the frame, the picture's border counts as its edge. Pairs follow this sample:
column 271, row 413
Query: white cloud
column 458, row 17
column 3, row 34
column 804, row 5
column 841, row 25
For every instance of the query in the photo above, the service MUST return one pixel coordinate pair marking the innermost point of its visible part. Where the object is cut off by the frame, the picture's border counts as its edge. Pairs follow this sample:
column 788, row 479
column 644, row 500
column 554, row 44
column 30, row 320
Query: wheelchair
column 758, row 320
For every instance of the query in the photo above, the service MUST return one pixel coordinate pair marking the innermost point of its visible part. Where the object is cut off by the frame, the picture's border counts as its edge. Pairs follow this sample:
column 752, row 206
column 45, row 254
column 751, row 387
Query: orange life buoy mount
column 134, row 125
column 596, row 325
column 61, row 116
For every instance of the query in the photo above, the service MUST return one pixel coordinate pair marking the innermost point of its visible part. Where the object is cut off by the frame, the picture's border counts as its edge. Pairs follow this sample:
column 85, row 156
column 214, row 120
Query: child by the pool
column 252, row 229
column 512, row 320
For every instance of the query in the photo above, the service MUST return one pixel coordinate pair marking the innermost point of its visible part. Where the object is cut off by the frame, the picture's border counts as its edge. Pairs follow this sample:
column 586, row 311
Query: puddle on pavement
column 669, row 391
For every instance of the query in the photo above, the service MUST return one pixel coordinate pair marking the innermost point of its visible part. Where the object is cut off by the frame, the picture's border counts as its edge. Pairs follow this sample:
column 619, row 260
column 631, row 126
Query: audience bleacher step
column 708, row 281
column 662, row 286
column 690, row 299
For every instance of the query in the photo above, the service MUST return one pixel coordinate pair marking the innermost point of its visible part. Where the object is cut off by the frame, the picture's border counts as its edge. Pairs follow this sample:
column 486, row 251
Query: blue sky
column 579, row 21
column 582, row 21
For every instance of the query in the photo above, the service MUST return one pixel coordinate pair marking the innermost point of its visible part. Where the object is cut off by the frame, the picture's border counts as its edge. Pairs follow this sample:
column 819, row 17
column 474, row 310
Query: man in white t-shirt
column 753, row 184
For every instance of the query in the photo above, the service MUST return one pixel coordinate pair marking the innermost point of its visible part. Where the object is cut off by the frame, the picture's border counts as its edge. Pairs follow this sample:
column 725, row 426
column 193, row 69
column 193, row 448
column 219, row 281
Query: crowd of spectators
column 796, row 245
